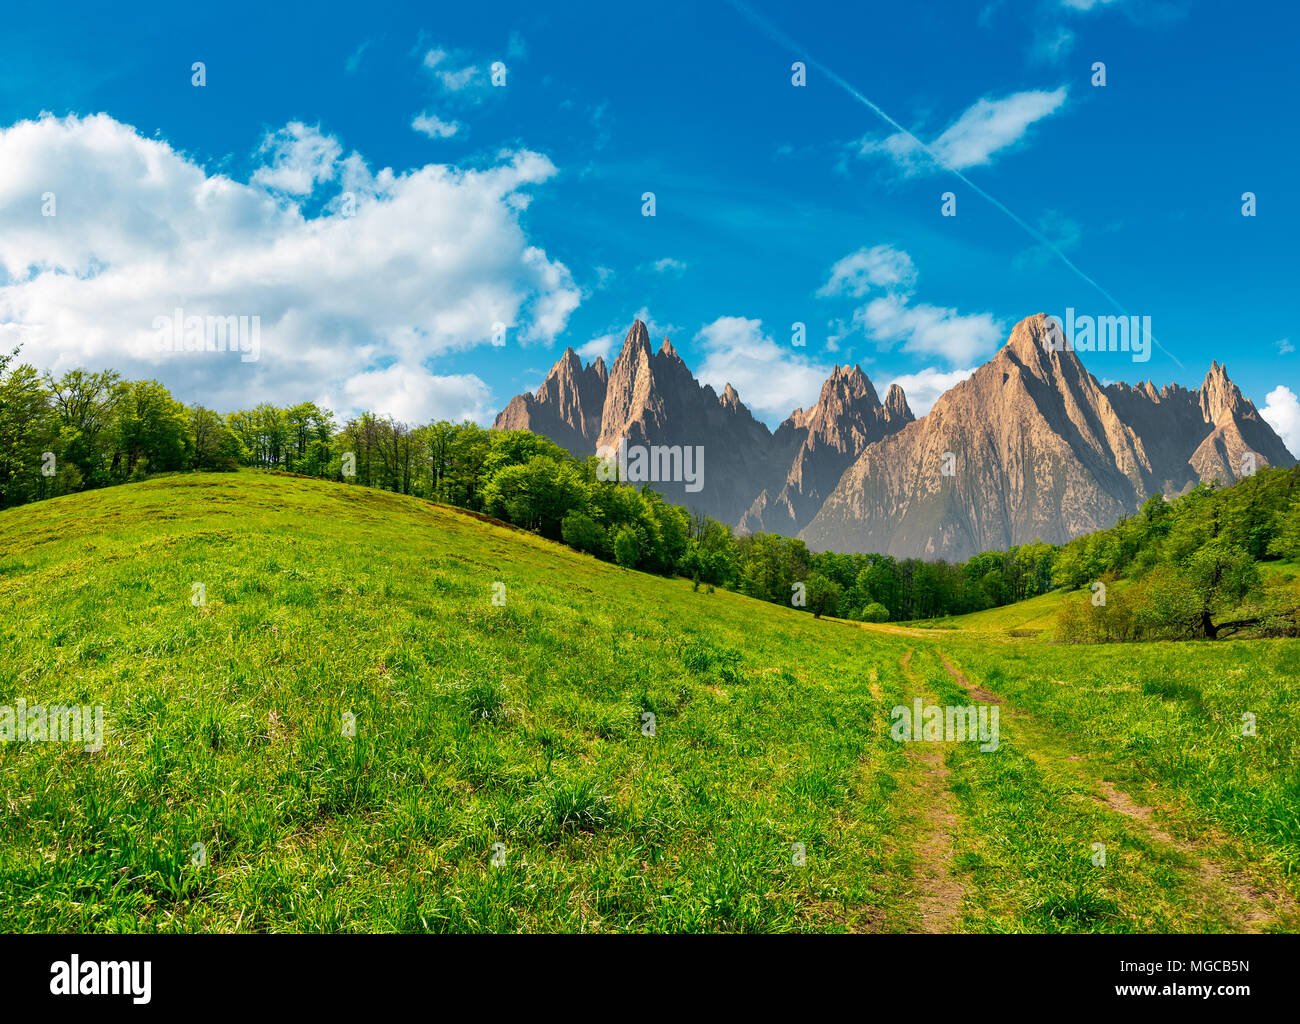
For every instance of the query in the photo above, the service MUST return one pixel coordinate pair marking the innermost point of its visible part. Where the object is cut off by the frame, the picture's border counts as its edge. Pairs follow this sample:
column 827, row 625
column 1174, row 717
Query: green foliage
column 823, row 595
column 26, row 432
column 875, row 612
column 583, row 533
column 627, row 551
column 1195, row 562
column 102, row 430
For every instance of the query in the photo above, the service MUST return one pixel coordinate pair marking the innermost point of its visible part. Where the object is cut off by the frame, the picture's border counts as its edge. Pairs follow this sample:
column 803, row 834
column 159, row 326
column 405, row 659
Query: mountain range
column 1030, row 446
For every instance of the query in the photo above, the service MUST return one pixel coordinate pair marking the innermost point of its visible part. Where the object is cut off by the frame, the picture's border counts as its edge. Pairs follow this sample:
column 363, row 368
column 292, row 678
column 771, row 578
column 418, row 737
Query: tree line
column 1195, row 568
column 82, row 430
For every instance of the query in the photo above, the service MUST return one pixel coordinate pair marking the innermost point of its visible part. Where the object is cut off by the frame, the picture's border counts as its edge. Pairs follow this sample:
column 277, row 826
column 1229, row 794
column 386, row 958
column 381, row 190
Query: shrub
column 875, row 612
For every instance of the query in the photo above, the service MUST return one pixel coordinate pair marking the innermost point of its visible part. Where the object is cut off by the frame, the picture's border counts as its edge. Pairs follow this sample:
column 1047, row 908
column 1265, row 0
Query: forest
column 84, row 430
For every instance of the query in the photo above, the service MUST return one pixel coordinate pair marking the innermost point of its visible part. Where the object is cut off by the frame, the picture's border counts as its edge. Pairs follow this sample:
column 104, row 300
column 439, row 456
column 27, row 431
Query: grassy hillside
column 1035, row 617
column 516, row 732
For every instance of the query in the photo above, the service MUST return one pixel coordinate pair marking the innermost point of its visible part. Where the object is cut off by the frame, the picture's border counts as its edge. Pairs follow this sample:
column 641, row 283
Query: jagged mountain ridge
column 1038, row 447
column 826, row 439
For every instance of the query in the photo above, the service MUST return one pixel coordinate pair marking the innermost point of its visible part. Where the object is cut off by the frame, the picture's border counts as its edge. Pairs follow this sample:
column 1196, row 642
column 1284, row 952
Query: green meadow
column 330, row 708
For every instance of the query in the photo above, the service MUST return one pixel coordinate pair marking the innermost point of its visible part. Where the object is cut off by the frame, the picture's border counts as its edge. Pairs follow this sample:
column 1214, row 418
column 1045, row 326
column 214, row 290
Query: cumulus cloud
column 928, row 330
column 985, row 128
column 1282, row 412
column 1284, row 347
column 601, row 347
column 300, row 158
column 881, row 266
column 355, row 301
column 434, row 127
column 410, row 396
column 892, row 317
column 771, row 379
column 667, row 264
column 924, row 387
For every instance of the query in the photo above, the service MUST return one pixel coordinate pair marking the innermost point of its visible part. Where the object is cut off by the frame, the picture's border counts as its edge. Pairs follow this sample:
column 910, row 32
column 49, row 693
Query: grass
column 1035, row 617
column 348, row 734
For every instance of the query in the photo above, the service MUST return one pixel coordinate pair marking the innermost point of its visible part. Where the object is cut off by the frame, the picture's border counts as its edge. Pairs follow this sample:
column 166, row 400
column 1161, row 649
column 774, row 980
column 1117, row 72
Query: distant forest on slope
column 1186, row 564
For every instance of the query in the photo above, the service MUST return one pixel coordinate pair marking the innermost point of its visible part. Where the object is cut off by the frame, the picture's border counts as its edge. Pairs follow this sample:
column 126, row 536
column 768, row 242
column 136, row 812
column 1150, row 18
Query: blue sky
column 474, row 203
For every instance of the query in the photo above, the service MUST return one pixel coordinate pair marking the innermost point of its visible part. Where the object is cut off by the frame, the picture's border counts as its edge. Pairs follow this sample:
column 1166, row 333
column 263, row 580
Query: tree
column 626, row 549
column 215, row 446
column 27, row 431
column 823, row 595
column 1220, row 575
column 1286, row 532
column 153, row 427
column 309, row 429
column 582, row 532
column 536, row 495
column 86, row 406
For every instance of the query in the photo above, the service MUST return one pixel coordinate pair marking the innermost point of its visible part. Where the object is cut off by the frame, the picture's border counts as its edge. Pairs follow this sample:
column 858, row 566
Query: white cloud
column 409, row 395
column 1282, row 412
column 601, row 347
column 881, row 266
column 434, row 127
column 929, row 330
column 301, row 157
column 986, row 127
column 1284, row 347
column 992, row 125
column 668, row 263
column 451, row 79
column 771, row 379
column 924, row 387
column 352, row 308
column 893, row 318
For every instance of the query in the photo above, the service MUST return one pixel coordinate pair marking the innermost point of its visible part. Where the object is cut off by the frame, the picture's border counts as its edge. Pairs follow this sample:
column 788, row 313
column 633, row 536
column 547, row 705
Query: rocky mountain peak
column 636, row 345
column 896, row 407
column 1042, row 449
column 568, row 366
column 848, row 384
column 1219, row 396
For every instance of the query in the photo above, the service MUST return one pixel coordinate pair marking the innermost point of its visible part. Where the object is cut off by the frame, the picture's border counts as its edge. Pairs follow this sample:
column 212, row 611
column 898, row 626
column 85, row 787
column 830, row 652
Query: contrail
column 779, row 37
